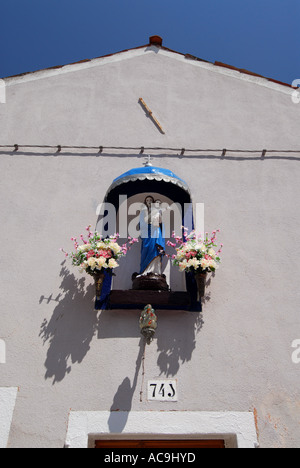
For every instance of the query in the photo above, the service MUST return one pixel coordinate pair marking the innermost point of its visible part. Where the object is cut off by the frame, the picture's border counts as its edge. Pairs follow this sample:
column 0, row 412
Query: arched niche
column 131, row 263
column 132, row 188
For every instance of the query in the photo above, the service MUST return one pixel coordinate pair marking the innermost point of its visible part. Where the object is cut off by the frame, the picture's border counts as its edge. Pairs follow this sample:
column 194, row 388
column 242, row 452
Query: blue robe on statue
column 153, row 242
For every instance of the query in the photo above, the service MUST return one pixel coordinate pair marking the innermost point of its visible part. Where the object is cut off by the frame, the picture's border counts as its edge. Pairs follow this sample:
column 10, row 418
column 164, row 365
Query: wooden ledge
column 137, row 299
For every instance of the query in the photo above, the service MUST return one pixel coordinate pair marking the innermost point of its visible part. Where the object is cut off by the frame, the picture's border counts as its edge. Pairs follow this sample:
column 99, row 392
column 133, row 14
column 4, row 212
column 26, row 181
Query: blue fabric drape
column 191, row 284
column 152, row 237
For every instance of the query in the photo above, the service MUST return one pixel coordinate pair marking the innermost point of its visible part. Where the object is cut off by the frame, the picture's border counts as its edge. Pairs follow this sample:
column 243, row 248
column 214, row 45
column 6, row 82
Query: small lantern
column 148, row 323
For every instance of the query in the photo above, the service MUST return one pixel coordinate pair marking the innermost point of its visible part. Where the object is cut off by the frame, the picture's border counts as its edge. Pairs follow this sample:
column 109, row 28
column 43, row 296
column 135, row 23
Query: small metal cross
column 148, row 161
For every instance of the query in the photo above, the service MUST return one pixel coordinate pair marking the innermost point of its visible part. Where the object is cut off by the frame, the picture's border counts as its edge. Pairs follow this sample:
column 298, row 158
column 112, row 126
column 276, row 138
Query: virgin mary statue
column 153, row 237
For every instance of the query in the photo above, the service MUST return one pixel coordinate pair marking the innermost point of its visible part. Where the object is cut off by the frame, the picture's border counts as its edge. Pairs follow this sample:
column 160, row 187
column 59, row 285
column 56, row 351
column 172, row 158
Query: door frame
column 237, row 429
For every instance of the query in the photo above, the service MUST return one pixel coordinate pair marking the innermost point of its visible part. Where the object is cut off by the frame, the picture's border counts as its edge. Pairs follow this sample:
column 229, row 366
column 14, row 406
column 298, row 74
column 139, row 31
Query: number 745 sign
column 162, row 390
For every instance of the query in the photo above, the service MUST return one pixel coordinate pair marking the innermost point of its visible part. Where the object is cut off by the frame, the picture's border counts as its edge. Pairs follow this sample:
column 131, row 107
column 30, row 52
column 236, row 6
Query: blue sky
column 259, row 35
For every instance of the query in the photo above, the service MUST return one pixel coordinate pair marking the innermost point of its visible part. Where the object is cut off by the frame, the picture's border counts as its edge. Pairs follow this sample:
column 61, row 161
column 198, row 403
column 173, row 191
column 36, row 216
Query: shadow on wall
column 175, row 336
column 74, row 323
column 124, row 395
column 176, row 340
column 71, row 328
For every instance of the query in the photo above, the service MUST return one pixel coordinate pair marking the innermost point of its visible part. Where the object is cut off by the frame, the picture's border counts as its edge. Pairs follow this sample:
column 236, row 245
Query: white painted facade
column 7, row 404
column 237, row 429
column 78, row 371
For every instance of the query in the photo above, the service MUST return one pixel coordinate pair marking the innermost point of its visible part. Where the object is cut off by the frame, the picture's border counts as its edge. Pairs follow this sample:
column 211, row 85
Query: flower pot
column 201, row 282
column 99, row 279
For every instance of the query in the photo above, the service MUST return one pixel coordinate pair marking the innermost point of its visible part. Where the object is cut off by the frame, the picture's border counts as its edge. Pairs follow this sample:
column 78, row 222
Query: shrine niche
column 153, row 247
column 152, row 202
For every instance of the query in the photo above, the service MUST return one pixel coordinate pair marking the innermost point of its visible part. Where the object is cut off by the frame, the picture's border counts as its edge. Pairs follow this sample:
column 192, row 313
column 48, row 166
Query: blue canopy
column 149, row 173
column 149, row 170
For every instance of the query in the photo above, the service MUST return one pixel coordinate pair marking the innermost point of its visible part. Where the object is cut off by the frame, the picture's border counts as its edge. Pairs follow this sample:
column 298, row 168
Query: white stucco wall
column 7, row 404
column 233, row 357
column 236, row 429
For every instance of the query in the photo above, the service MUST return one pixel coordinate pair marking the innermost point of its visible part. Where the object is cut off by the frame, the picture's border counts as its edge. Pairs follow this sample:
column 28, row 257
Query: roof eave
column 149, row 45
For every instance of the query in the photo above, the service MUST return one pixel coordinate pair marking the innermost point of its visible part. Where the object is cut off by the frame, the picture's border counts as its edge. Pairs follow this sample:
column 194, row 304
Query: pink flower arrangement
column 96, row 254
column 195, row 253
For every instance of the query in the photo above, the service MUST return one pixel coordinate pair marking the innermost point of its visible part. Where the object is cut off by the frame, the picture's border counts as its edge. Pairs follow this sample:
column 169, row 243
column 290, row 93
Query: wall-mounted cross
column 150, row 114
column 148, row 162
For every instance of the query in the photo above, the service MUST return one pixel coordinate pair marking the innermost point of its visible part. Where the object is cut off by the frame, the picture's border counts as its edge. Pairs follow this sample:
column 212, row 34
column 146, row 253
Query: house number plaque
column 162, row 390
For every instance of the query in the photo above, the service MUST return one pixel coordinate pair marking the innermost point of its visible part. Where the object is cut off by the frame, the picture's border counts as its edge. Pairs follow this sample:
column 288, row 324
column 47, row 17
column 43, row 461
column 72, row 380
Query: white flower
column 199, row 247
column 112, row 263
column 92, row 263
column 183, row 265
column 204, row 263
column 212, row 253
column 101, row 262
column 180, row 254
column 213, row 264
column 115, row 248
column 193, row 262
column 84, row 248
